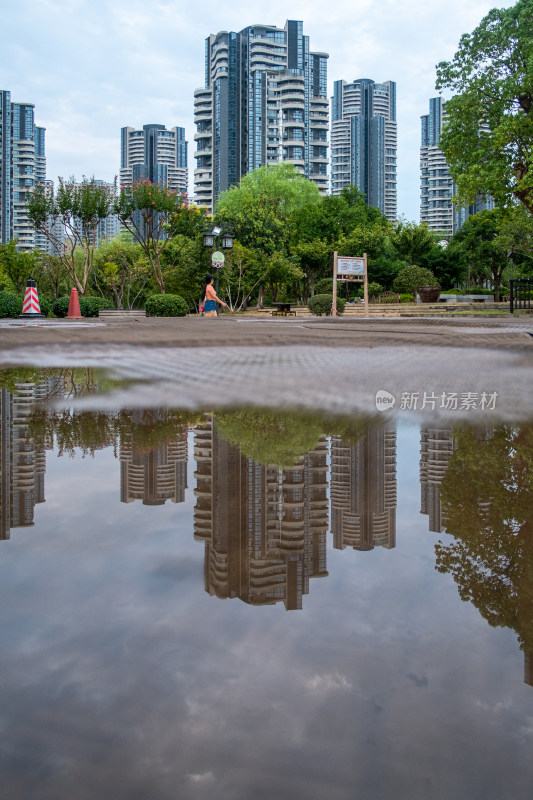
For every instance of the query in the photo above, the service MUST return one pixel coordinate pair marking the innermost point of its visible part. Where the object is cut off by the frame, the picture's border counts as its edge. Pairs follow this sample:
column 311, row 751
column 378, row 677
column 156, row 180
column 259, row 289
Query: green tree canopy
column 259, row 208
column 271, row 438
column 78, row 208
column 486, row 499
column 488, row 136
column 411, row 278
column 18, row 266
column 148, row 211
column 480, row 245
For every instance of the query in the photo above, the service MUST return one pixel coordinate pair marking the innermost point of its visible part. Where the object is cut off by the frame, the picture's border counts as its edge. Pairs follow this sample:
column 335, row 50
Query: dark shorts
column 210, row 305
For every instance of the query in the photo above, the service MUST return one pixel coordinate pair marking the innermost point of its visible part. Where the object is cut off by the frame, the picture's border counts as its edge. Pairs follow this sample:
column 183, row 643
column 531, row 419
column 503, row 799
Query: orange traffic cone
column 30, row 307
column 74, row 306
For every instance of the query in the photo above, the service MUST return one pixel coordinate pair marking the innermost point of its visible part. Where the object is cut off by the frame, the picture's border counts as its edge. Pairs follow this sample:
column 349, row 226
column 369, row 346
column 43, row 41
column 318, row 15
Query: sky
column 91, row 67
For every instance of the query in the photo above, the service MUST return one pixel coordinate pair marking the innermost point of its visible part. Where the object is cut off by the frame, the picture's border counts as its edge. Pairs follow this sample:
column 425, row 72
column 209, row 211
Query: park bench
column 283, row 310
column 122, row 313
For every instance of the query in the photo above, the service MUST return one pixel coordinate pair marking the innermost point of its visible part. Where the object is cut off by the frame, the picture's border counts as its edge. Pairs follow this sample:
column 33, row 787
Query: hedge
column 10, row 305
column 321, row 304
column 166, row 305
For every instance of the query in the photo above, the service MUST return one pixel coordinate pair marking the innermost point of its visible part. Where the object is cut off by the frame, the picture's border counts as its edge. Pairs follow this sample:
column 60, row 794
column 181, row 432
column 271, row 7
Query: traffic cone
column 74, row 306
column 30, row 307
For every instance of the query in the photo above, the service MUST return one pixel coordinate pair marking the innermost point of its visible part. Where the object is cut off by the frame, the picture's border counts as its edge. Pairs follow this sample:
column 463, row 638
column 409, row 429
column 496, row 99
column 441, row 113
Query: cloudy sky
column 91, row 67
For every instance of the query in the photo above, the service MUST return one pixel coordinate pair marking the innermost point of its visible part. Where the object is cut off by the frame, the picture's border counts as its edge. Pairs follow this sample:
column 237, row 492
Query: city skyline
column 121, row 78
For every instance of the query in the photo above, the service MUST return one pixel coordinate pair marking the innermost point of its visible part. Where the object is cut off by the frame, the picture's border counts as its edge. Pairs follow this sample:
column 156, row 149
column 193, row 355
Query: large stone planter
column 429, row 294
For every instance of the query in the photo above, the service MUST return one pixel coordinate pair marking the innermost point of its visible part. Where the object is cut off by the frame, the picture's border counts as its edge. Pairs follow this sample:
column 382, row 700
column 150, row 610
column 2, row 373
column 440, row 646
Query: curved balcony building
column 264, row 101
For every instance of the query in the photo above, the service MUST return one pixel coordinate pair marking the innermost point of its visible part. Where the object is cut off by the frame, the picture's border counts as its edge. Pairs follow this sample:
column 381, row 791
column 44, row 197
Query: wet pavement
column 329, row 364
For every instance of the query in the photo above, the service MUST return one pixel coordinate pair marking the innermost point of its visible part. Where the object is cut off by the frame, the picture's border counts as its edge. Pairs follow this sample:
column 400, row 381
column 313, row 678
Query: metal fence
column 521, row 294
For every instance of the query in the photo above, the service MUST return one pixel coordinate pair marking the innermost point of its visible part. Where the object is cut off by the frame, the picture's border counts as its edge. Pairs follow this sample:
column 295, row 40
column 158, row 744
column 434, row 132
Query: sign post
column 334, row 303
column 349, row 268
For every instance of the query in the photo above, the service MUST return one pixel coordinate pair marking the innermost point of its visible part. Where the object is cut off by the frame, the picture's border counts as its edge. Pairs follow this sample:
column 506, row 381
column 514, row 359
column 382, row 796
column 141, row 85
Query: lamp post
column 215, row 237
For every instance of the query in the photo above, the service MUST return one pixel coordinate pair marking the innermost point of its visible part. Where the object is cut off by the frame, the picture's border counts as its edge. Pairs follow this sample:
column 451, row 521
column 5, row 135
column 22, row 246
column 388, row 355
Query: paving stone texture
column 433, row 368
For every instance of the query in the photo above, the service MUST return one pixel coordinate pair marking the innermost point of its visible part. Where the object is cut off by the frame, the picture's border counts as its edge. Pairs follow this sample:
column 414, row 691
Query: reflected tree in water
column 280, row 438
column 486, row 495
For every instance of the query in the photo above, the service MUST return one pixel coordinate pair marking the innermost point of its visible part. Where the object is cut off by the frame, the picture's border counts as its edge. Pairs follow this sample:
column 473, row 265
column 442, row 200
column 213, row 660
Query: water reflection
column 264, row 526
column 269, row 485
column 486, row 495
column 363, row 489
column 151, row 473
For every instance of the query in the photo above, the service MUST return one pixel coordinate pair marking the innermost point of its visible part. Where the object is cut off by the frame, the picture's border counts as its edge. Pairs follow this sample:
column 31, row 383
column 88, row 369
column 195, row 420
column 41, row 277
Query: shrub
column 406, row 298
column 166, row 305
column 374, row 289
column 90, row 306
column 45, row 304
column 409, row 279
column 321, row 304
column 10, row 305
column 60, row 307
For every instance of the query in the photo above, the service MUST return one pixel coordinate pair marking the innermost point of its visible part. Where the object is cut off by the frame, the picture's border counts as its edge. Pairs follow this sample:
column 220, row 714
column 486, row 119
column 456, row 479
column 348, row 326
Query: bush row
column 11, row 305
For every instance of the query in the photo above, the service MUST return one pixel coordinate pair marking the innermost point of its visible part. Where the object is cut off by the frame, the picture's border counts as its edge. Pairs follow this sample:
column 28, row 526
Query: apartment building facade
column 264, row 101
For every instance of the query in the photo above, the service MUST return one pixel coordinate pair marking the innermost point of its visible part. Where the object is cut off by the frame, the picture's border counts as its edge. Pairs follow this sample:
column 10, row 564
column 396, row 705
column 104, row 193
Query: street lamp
column 216, row 238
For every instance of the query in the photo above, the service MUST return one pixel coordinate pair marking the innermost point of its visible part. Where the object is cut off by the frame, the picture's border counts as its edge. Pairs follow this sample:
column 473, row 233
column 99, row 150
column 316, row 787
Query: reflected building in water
column 363, row 490
column 22, row 465
column 264, row 528
column 437, row 446
column 153, row 474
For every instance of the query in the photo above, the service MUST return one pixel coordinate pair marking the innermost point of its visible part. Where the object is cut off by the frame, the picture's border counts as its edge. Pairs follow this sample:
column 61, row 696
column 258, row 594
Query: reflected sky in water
column 255, row 604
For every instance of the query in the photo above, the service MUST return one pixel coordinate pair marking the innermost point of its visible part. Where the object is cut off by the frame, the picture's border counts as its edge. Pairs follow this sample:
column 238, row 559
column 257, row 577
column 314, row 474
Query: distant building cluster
column 264, row 101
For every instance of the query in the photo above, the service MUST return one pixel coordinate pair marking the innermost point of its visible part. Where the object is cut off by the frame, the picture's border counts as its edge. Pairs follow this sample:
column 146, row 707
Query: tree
column 274, row 439
column 18, row 265
column 259, row 208
column 412, row 242
column 123, row 270
column 486, row 500
column 479, row 243
column 410, row 278
column 488, row 135
column 148, row 211
column 78, row 208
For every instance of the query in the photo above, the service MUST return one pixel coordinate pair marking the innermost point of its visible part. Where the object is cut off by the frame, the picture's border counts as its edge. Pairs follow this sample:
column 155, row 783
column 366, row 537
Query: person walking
column 210, row 298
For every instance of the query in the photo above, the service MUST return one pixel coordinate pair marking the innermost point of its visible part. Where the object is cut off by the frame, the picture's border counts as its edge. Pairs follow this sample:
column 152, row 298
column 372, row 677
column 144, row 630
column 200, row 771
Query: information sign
column 351, row 266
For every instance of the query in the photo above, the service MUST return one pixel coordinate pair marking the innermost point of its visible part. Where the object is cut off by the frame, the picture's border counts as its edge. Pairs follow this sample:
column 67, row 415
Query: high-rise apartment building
column 264, row 101
column 363, row 490
column 364, row 141
column 156, row 154
column 22, row 165
column 264, row 527
column 153, row 474
column 437, row 446
column 436, row 185
column 22, row 464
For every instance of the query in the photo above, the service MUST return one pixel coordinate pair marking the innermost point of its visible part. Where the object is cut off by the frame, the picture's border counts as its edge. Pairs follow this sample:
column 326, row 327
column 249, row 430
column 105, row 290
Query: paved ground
column 432, row 367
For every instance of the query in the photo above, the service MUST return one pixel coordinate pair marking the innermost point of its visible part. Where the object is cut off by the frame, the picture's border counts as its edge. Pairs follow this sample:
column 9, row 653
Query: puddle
column 247, row 602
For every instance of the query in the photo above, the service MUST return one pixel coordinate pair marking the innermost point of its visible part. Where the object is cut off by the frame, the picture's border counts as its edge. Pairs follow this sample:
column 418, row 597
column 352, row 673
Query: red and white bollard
column 30, row 307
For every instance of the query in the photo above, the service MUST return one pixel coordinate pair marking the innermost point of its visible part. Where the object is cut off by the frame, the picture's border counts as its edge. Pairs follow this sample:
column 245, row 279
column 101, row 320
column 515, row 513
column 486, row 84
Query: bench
column 283, row 310
column 122, row 313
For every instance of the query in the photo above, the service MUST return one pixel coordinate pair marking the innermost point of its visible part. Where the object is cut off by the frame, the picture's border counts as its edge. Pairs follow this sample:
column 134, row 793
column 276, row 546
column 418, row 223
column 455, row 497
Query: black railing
column 521, row 294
